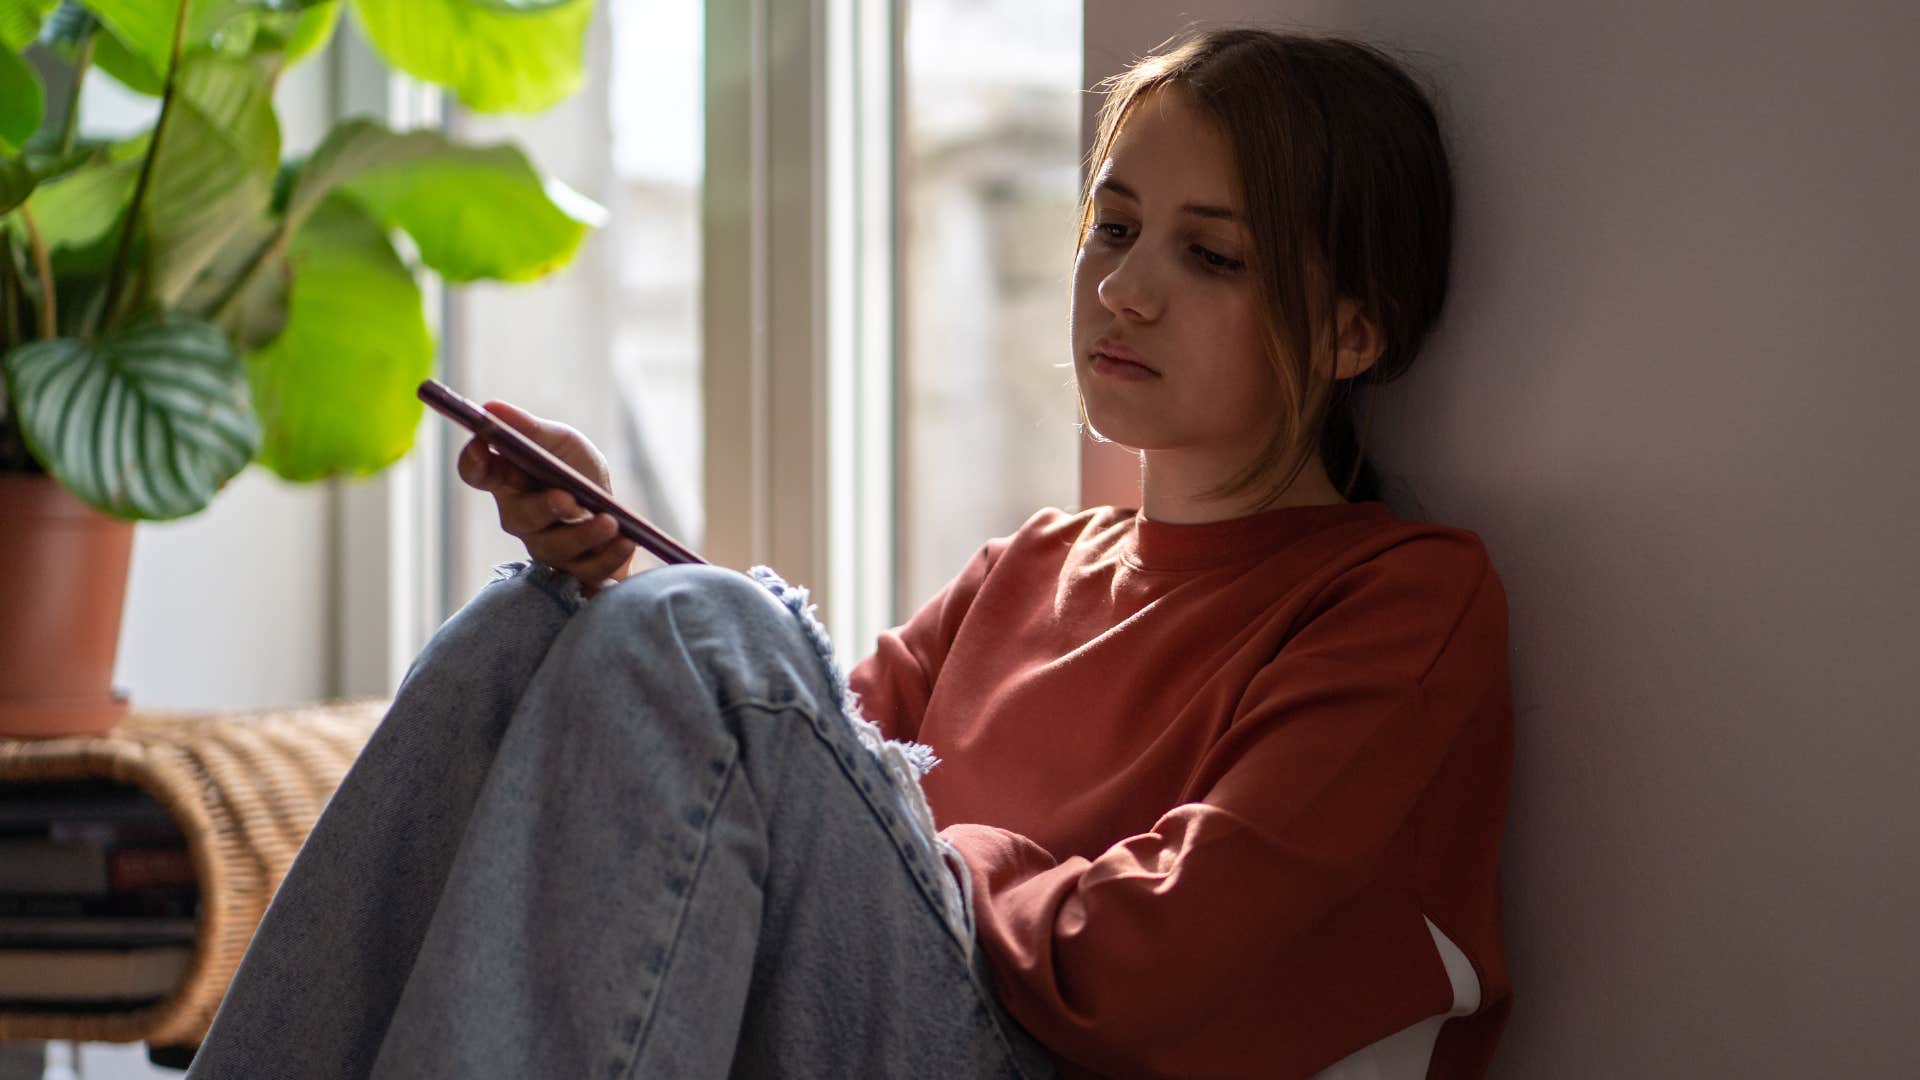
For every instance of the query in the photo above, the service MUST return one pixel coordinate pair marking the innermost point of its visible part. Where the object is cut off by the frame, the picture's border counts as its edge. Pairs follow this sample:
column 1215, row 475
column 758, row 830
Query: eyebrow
column 1218, row 213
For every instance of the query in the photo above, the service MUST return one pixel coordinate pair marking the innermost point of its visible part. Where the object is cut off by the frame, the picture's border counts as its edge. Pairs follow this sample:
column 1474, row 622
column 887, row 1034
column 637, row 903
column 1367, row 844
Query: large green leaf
column 16, row 182
column 20, row 21
column 213, row 175
column 232, row 94
column 146, row 423
column 354, row 146
column 480, row 213
column 494, row 57
column 311, row 30
column 80, row 208
column 251, row 27
column 255, row 314
column 474, row 211
column 134, row 72
column 521, row 5
column 21, row 173
column 80, row 216
column 22, row 101
column 335, row 392
column 144, row 28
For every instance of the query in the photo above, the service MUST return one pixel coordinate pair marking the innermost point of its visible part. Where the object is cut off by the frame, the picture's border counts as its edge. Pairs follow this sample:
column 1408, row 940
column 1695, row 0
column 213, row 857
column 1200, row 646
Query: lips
column 1114, row 351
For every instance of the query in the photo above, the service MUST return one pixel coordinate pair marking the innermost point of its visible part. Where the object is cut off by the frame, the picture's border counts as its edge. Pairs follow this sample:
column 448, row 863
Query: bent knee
column 689, row 598
column 682, row 586
column 745, row 640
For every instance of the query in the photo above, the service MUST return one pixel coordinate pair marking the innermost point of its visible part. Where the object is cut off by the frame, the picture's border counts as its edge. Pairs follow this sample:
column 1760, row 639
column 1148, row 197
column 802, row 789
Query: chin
column 1120, row 421
column 1115, row 429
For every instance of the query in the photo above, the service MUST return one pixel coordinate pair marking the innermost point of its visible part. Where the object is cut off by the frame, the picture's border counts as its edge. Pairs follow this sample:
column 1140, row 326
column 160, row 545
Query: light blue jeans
column 637, row 836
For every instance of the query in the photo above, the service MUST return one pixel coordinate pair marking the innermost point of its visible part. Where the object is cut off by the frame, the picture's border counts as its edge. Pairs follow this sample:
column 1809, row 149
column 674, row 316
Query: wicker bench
column 244, row 787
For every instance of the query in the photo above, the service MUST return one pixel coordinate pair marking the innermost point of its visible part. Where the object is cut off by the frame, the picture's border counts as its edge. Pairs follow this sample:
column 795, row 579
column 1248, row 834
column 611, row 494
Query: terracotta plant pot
column 63, row 581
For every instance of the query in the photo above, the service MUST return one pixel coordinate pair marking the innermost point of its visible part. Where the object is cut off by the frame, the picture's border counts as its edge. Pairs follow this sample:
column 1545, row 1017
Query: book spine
column 149, row 868
column 162, row 903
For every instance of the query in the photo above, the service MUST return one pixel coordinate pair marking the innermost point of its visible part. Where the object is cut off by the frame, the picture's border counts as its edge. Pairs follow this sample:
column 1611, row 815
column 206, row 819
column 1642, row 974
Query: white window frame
column 866, row 57
column 798, row 305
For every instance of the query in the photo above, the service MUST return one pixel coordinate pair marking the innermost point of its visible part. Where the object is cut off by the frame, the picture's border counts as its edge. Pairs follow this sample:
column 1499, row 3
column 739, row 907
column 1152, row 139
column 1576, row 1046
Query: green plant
column 178, row 304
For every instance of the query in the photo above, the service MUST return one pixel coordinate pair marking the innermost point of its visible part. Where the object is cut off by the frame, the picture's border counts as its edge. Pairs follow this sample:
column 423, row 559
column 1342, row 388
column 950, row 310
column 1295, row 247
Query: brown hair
column 1345, row 180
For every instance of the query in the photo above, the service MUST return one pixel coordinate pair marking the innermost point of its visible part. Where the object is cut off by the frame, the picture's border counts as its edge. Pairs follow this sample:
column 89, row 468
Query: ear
column 1361, row 342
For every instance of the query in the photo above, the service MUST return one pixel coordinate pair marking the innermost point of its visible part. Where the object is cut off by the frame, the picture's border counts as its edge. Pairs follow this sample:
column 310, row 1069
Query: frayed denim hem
column 563, row 587
column 905, row 762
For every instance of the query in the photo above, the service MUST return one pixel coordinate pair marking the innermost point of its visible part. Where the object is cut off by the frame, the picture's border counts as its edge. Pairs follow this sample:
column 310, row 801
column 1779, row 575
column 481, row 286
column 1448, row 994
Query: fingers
column 563, row 546
column 533, row 514
column 479, row 467
column 592, row 552
column 603, row 566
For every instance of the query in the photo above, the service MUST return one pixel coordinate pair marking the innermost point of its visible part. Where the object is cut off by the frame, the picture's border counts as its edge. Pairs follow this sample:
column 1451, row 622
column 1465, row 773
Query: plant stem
column 43, row 267
column 9, row 307
column 70, row 123
column 146, row 167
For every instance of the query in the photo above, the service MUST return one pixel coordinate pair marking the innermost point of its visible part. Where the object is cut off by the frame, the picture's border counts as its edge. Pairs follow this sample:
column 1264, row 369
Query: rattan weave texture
column 245, row 787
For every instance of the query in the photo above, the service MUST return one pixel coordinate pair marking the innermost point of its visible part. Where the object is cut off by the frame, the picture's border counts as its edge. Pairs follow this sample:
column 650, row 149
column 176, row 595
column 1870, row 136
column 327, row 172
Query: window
column 990, row 176
column 847, row 354
column 611, row 344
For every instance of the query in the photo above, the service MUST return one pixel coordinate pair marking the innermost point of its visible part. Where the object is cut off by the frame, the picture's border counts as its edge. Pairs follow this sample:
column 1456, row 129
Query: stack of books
column 97, row 897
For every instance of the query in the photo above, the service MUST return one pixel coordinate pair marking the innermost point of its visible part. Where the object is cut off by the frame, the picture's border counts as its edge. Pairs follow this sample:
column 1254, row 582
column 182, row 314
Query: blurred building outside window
column 989, row 182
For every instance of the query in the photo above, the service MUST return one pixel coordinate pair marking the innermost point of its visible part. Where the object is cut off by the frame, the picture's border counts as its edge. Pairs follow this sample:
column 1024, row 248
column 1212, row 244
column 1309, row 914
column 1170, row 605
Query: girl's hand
column 555, row 528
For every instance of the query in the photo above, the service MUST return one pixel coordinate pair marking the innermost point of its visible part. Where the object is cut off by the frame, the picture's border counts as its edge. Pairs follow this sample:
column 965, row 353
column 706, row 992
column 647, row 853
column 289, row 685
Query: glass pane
column 989, row 178
column 611, row 344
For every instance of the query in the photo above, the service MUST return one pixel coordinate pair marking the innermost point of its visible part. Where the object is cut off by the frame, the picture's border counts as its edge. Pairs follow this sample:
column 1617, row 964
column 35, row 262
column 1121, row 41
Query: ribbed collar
column 1157, row 545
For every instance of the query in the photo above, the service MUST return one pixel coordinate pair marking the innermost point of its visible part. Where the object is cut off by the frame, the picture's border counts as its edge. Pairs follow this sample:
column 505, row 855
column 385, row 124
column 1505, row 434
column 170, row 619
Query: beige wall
column 1673, row 394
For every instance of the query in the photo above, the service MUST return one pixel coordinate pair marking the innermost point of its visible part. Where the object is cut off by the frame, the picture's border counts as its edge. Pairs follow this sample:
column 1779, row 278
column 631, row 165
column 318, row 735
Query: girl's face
column 1168, row 331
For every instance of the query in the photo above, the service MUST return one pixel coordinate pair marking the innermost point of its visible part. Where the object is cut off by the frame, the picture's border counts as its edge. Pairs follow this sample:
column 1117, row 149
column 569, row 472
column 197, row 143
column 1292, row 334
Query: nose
column 1131, row 289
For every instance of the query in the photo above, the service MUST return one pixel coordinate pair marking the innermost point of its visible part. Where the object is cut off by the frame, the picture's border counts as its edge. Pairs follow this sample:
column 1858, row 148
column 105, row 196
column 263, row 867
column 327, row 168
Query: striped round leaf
column 147, row 423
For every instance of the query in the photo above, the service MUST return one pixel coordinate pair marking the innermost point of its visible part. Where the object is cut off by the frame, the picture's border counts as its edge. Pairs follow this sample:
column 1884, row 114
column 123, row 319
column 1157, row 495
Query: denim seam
column 909, row 853
column 984, row 998
column 904, row 763
column 626, row 1069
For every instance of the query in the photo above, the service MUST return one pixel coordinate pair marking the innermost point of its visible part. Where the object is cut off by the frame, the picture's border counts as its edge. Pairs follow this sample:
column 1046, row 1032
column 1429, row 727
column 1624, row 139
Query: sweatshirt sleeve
column 1271, row 927
column 895, row 682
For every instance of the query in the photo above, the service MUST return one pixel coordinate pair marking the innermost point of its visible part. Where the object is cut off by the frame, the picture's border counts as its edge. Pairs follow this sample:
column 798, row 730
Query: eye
column 1109, row 232
column 1213, row 260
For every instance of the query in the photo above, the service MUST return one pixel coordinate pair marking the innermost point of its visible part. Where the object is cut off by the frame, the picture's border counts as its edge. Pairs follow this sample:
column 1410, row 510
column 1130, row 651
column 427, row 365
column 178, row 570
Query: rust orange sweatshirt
column 1209, row 779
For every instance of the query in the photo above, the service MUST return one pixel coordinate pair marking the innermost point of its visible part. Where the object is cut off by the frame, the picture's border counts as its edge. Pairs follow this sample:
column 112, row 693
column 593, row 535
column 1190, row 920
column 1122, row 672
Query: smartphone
column 550, row 472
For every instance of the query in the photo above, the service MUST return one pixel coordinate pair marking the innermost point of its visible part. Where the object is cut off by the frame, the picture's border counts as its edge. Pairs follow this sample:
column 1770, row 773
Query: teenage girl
column 1222, row 778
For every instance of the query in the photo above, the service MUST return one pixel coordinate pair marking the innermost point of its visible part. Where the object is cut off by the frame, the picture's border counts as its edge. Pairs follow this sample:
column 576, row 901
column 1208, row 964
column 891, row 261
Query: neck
column 1173, row 486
